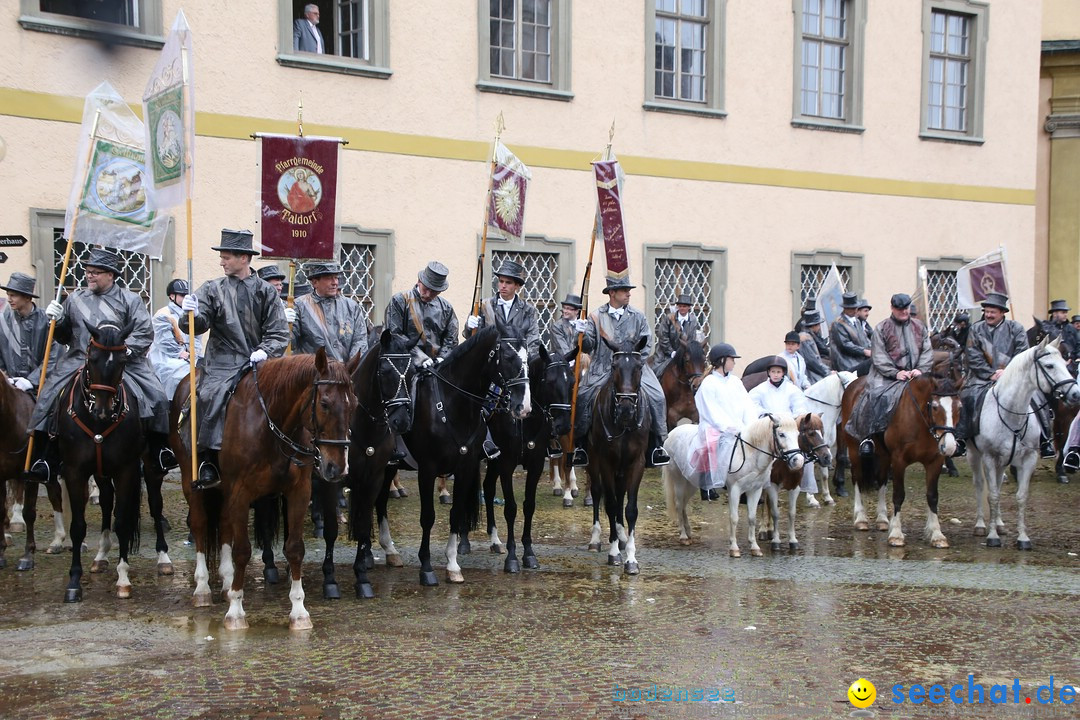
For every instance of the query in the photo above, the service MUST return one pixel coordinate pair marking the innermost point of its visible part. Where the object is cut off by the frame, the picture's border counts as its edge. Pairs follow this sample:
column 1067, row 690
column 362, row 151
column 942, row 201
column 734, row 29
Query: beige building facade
column 762, row 140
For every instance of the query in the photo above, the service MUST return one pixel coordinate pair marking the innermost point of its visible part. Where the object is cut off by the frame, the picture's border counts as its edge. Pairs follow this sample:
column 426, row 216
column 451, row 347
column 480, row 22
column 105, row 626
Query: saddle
column 972, row 403
column 185, row 409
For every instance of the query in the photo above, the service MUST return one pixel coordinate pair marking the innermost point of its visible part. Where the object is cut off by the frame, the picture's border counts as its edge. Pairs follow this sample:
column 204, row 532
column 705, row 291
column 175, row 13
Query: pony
column 285, row 416
column 1008, row 434
column 680, row 380
column 922, row 430
column 525, row 442
column 815, row 449
column 619, row 434
column 99, row 433
column 824, row 398
column 448, row 429
column 763, row 441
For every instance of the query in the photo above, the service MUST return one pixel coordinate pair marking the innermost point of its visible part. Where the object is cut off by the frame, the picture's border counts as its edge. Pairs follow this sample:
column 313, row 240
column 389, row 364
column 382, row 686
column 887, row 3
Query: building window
column 811, row 278
column 124, row 22
column 358, row 267
column 809, row 270
column 954, row 59
column 940, row 290
column 693, row 269
column 367, row 263
column 684, row 55
column 525, row 47
column 355, row 36
column 828, row 63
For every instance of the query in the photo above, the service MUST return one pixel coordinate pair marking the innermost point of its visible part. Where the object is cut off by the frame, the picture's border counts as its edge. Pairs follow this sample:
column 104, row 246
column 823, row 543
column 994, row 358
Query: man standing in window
column 306, row 36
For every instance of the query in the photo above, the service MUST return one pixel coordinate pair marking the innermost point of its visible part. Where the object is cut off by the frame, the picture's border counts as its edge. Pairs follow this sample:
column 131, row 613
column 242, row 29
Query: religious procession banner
column 298, row 196
column 609, row 187
column 509, row 187
column 111, row 199
column 169, row 111
column 981, row 277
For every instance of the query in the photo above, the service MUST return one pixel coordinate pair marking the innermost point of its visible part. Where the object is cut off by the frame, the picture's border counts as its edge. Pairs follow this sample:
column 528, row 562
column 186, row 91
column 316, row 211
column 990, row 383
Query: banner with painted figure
column 609, row 191
column 979, row 278
column 830, row 297
column 169, row 112
column 111, row 202
column 298, row 205
column 509, row 188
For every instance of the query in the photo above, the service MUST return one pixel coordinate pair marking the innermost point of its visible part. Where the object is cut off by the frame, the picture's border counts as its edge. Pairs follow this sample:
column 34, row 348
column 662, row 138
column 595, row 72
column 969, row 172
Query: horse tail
column 131, row 515
column 669, row 492
column 267, row 526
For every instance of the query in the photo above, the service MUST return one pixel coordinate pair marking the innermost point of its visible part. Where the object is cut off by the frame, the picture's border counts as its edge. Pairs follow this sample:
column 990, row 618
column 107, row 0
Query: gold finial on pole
column 500, row 125
column 300, row 115
column 610, row 138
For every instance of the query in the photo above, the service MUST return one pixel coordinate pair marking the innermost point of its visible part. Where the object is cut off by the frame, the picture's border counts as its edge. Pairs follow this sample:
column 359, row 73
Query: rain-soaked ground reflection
column 780, row 636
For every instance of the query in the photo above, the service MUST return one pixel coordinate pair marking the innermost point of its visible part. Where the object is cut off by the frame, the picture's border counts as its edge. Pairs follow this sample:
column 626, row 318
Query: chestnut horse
column 285, row 416
column 680, row 380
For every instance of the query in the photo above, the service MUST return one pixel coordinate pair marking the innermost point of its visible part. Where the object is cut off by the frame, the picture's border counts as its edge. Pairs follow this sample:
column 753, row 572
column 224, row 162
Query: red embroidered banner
column 299, row 197
column 609, row 206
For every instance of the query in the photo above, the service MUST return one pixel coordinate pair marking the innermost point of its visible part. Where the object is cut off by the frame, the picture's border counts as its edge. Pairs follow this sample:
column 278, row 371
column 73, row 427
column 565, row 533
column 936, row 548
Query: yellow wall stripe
column 46, row 106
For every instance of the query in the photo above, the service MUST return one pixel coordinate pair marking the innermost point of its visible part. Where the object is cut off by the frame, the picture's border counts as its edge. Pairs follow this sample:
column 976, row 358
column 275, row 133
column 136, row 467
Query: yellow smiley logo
column 862, row 693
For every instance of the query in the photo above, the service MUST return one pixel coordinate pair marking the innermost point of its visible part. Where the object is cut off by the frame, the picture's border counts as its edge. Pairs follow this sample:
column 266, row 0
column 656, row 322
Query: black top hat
column 270, row 272
column 299, row 290
column 998, row 300
column 104, row 259
column 864, row 304
column 317, row 269
column 572, row 300
column 1059, row 305
column 810, row 304
column 792, row 336
column 236, row 241
column 434, row 276
column 851, row 301
column 1075, row 318
column 811, row 318
column 512, row 270
column 618, row 284
column 684, row 299
column 900, row 301
column 22, row 283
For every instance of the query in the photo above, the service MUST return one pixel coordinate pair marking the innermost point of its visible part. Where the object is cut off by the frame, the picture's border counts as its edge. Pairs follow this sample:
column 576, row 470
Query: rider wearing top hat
column 561, row 337
column 327, row 319
column 675, row 327
column 273, row 275
column 849, row 343
column 509, row 308
column 617, row 322
column 1061, row 327
column 817, row 367
column 423, row 317
column 796, row 364
column 247, row 325
column 102, row 301
column 24, row 328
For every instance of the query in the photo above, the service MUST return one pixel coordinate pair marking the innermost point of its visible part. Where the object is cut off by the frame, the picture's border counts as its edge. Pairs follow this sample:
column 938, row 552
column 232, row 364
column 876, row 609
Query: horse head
column 947, row 368
column 511, row 358
column 626, row 366
column 812, row 440
column 554, row 388
column 393, row 377
column 785, row 441
column 332, row 407
column 938, row 403
column 1052, row 375
column 106, row 358
column 690, row 357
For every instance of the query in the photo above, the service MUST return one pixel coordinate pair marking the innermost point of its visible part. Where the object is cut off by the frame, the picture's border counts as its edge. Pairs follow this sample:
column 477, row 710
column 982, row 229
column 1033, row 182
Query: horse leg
column 156, row 503
column 464, row 483
column 883, row 508
column 823, row 486
column 772, row 515
column 234, row 538
column 318, row 517
column 56, row 500
column 752, row 499
column 555, row 472
column 594, row 537
column 932, row 533
column 630, row 567
column 297, row 497
column 364, row 486
column 979, row 482
column 17, row 490
column 734, row 492
column 1023, row 480
column 793, row 499
column 896, row 529
column 107, row 502
column 26, row 562
column 612, row 503
column 511, row 565
column 329, row 499
column 77, row 491
column 994, row 478
column 95, row 491
column 127, row 485
column 386, row 542
column 445, row 498
column 859, row 510
column 426, row 480
column 494, row 470
column 528, row 507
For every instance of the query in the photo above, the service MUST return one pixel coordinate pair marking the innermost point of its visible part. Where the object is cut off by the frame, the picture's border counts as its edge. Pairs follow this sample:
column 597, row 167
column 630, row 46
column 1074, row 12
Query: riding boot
column 1046, row 448
column 655, row 455
column 950, row 466
column 45, row 460
column 1071, row 462
column 160, row 452
column 209, row 476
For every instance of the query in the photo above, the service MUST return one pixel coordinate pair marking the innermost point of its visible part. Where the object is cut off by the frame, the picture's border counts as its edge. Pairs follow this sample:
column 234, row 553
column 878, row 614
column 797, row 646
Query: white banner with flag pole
column 987, row 274
column 830, row 298
column 169, row 112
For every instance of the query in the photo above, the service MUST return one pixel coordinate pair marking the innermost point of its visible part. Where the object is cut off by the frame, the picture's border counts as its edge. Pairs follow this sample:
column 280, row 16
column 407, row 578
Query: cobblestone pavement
column 782, row 635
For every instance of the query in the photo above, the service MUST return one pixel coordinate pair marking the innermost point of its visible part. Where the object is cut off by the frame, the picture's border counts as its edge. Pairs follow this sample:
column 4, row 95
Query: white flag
column 981, row 277
column 830, row 299
column 169, row 110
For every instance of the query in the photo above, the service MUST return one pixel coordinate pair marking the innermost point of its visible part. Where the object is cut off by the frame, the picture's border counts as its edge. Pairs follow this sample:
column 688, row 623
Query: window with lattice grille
column 358, row 269
column 677, row 277
column 541, row 281
column 136, row 270
column 941, row 298
column 811, row 278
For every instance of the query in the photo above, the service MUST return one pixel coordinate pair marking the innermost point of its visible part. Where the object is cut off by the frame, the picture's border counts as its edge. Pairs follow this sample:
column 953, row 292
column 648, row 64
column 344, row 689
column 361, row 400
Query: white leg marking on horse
column 104, row 546
column 882, row 507
column 620, row 532
column 734, row 491
column 163, row 558
column 17, row 517
column 793, row 504
column 933, row 533
column 613, row 548
column 202, row 576
column 385, row 541
column 860, row 521
column 594, row 539
column 556, row 479
column 573, row 478
column 896, row 531
column 631, row 549
column 451, row 554
column 123, row 582
column 235, row 618
column 299, row 617
column 225, row 568
column 59, row 534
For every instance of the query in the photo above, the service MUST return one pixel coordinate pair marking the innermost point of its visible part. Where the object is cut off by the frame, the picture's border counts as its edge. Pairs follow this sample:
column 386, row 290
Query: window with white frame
column 954, row 47
column 696, row 270
column 525, row 47
column 367, row 267
column 125, row 22
column 354, row 35
column 684, row 53
column 810, row 269
column 828, row 62
column 542, row 281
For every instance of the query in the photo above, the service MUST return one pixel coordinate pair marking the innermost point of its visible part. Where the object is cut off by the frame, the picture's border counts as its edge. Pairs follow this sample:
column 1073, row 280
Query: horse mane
column 486, row 334
column 1021, row 362
column 298, row 370
column 759, row 432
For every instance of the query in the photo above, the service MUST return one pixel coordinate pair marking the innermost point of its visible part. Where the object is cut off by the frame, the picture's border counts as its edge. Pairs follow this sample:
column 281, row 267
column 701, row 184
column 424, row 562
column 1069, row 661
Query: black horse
column 100, row 434
column 448, row 428
column 525, row 442
column 619, row 432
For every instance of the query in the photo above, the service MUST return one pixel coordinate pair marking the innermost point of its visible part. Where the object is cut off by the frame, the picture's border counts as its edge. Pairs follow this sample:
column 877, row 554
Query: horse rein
column 401, row 392
column 316, row 441
column 938, row 432
column 776, row 453
column 118, row 416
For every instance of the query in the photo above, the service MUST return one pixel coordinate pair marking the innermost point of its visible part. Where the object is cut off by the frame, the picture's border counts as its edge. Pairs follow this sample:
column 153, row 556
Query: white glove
column 22, row 384
column 190, row 303
column 579, row 326
column 439, row 360
column 472, row 322
column 426, row 363
column 290, row 315
column 672, row 353
column 258, row 356
column 54, row 310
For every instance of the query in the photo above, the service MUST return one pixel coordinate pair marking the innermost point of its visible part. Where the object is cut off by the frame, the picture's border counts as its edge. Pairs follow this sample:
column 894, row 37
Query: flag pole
column 60, row 285
column 584, row 312
column 500, row 125
column 290, row 299
column 192, row 356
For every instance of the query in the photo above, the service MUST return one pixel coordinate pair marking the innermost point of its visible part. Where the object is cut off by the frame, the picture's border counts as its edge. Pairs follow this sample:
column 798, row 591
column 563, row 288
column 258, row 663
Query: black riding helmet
column 719, row 351
column 779, row 362
column 177, row 287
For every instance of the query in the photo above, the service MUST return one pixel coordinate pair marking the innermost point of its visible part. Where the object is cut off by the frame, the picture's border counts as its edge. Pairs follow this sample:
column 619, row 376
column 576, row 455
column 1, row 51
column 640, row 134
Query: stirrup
column 39, row 472
column 866, row 447
column 208, row 477
column 1071, row 463
column 491, row 450
column 554, row 451
column 167, row 459
column 961, row 448
column 658, row 458
column 1047, row 450
column 581, row 458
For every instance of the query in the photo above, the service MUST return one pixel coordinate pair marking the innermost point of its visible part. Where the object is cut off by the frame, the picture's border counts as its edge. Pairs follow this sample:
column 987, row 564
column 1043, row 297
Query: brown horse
column 921, row 431
column 816, row 450
column 680, row 380
column 285, row 416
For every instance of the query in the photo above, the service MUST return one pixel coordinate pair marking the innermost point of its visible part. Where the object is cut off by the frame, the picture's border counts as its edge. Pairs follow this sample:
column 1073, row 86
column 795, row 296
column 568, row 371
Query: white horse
column 762, row 442
column 1009, row 433
column 825, row 397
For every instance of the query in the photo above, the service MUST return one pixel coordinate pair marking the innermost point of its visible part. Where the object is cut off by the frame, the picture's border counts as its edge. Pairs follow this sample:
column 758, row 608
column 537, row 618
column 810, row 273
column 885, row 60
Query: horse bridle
column 776, row 453
column 399, row 363
column 812, row 456
column 1055, row 387
column 120, row 409
column 298, row 449
column 550, row 409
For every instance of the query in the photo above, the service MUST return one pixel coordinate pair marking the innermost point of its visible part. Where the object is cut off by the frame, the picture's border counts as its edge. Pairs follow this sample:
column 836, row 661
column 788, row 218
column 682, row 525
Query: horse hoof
column 428, row 579
column 862, row 525
column 454, row 576
column 588, row 501
column 317, row 533
column 775, row 547
column 21, row 527
column 813, row 503
column 829, row 501
column 300, row 623
column 557, row 492
column 123, row 591
column 240, row 623
column 567, row 503
column 573, row 492
column 364, row 591
column 530, row 562
column 73, row 595
column 54, row 549
column 464, row 547
column 734, row 553
column 402, row 492
column 630, row 568
column 445, row 500
column 1023, row 545
column 979, row 532
column 394, row 494
column 165, row 569
column 25, row 564
column 594, row 547
column 882, row 526
column 99, row 566
column 394, row 561
column 202, row 600
column 684, row 541
column 896, row 542
column 940, row 544
column 497, row 549
column 792, row 546
column 331, row 591
column 756, row 552
column 614, row 559
column 271, row 575
column 993, row 542
column 511, row 565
